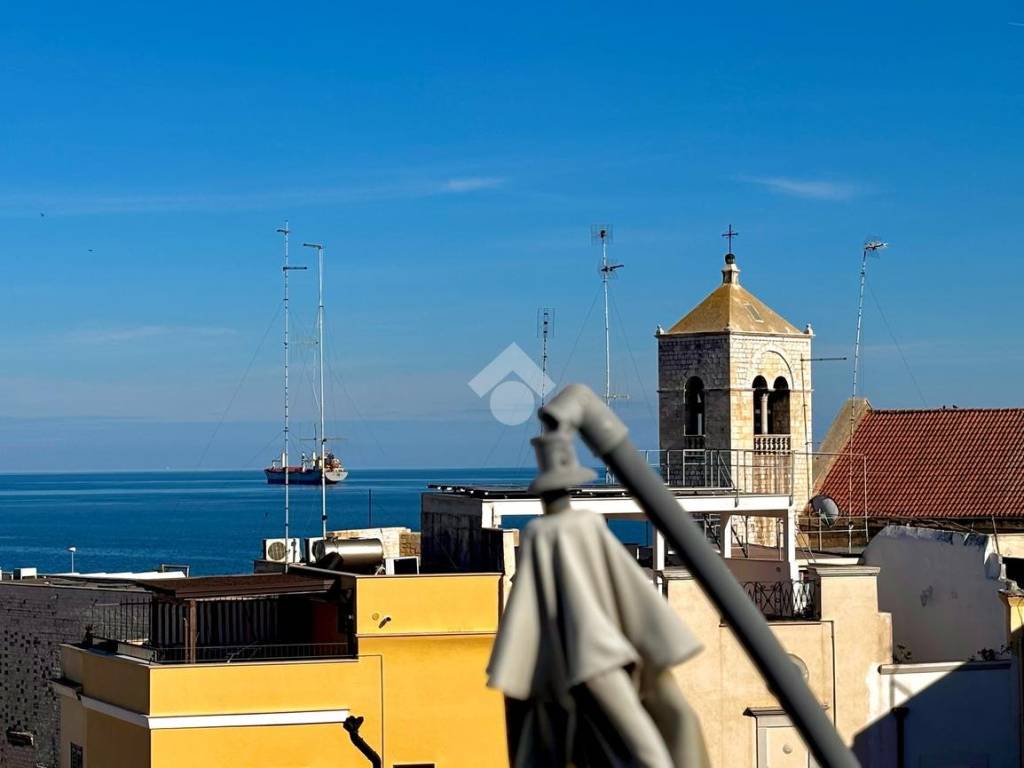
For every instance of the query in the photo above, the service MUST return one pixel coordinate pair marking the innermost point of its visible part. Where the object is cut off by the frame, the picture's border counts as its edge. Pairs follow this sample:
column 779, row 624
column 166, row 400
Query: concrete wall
column 35, row 618
column 955, row 716
column 842, row 653
column 942, row 589
column 455, row 537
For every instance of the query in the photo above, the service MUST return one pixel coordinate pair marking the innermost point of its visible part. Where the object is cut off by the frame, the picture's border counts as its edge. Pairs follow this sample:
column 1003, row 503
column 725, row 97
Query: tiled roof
column 932, row 464
column 732, row 308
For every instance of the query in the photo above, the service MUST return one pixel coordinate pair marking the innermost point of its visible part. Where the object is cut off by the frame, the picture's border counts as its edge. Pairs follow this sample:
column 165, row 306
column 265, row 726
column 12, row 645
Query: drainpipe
column 900, row 713
column 352, row 725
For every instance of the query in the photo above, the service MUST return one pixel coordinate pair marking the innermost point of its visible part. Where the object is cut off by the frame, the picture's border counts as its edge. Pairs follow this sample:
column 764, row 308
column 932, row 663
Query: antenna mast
column 871, row 248
column 600, row 233
column 320, row 355
column 547, row 329
column 285, row 269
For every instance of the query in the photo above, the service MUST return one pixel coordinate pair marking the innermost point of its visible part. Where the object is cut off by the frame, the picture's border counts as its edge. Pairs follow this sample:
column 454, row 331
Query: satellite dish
column 826, row 508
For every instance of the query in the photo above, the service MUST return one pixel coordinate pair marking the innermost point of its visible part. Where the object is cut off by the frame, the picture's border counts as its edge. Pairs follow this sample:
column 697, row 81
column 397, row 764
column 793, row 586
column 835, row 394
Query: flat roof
column 502, row 492
column 207, row 587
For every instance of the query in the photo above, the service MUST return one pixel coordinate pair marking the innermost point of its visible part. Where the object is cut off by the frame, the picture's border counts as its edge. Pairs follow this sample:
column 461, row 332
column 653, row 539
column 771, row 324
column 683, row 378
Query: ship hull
column 299, row 476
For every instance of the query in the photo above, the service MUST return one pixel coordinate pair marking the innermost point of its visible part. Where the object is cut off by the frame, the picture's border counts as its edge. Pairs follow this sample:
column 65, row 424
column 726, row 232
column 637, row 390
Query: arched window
column 694, row 401
column 761, row 406
column 778, row 407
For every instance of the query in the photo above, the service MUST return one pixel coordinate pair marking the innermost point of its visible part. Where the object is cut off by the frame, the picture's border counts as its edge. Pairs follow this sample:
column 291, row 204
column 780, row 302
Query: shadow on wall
column 946, row 715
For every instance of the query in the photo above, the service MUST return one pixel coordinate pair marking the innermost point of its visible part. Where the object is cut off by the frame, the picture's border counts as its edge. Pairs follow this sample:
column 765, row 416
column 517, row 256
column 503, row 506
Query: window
column 778, row 407
column 693, row 396
column 760, row 387
column 77, row 756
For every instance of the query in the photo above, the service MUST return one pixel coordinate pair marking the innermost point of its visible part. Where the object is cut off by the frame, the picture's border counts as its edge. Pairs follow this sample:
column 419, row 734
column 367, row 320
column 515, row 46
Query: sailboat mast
column 607, row 330
column 320, row 349
column 284, row 456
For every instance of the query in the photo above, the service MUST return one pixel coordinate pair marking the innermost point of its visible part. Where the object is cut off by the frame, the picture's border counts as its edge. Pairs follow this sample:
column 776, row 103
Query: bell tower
column 734, row 378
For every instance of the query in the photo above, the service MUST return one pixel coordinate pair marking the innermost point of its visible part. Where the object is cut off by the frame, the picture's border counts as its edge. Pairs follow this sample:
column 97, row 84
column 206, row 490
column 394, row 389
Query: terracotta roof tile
column 933, row 464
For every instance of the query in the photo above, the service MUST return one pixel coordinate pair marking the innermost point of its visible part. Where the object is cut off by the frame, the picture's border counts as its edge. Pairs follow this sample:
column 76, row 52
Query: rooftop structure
column 312, row 668
column 734, row 379
column 961, row 465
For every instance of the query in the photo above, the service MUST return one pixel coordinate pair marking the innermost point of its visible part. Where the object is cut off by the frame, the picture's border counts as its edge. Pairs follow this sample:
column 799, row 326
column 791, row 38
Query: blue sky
column 452, row 159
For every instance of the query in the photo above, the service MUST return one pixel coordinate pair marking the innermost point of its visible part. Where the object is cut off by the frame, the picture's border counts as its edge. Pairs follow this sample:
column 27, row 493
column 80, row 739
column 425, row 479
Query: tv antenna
column 872, row 246
column 602, row 234
column 545, row 329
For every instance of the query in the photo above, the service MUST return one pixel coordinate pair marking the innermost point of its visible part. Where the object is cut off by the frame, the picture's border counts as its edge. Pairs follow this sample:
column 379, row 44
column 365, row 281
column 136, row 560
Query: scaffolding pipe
column 577, row 409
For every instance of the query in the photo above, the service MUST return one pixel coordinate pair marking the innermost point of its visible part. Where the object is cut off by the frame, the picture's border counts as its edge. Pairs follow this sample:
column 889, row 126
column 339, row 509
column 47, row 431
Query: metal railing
column 784, row 600
column 227, row 654
column 163, row 631
column 753, row 471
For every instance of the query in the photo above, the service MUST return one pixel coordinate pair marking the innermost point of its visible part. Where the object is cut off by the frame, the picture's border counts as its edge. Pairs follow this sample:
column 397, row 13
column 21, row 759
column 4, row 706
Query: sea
column 212, row 521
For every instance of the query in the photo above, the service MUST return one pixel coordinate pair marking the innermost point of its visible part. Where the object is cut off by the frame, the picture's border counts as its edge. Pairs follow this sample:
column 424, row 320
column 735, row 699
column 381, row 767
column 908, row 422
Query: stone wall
column 753, row 355
column 727, row 363
column 35, row 618
column 679, row 358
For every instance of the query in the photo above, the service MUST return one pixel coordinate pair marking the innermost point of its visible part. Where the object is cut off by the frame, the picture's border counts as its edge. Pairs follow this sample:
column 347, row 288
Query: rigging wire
column 579, row 335
column 338, row 378
column 899, row 349
column 632, row 357
column 238, row 388
column 261, row 450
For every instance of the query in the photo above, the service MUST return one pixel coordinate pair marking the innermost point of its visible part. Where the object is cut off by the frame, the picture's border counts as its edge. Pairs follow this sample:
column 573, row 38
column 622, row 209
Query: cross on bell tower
column 729, row 235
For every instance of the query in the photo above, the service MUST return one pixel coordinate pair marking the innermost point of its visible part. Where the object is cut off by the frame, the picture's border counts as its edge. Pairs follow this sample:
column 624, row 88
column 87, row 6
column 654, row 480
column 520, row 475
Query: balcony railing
column 784, row 600
column 772, row 443
column 726, row 471
column 220, row 631
column 227, row 654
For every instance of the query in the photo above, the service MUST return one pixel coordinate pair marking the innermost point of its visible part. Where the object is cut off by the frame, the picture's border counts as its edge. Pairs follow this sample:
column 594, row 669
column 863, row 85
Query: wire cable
column 632, row 357
column 899, row 349
column 579, row 335
column 238, row 388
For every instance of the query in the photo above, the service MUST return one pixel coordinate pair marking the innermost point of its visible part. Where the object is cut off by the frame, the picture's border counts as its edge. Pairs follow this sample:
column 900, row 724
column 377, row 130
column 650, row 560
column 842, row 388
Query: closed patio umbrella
column 586, row 645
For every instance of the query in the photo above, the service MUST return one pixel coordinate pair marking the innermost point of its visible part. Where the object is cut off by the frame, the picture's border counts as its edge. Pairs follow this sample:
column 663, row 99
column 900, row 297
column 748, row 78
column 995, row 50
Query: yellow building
column 264, row 670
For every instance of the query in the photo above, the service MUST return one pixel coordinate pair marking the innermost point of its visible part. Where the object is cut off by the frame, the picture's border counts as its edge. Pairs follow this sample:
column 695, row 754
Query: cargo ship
column 308, row 472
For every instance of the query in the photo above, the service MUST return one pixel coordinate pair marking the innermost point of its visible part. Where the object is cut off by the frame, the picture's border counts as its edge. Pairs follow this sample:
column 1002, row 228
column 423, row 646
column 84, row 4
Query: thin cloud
column 809, row 189
column 472, row 184
column 141, row 332
column 87, row 203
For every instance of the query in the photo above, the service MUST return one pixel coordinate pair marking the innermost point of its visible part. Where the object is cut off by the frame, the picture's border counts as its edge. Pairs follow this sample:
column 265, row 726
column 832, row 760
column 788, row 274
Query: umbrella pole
column 577, row 408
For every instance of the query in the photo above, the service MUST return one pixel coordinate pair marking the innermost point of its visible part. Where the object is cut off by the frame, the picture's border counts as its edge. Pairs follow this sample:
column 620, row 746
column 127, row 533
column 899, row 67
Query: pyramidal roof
column 732, row 308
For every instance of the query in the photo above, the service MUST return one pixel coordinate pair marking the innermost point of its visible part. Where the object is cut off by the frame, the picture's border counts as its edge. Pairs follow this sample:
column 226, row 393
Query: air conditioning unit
column 398, row 566
column 282, row 550
column 315, row 549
